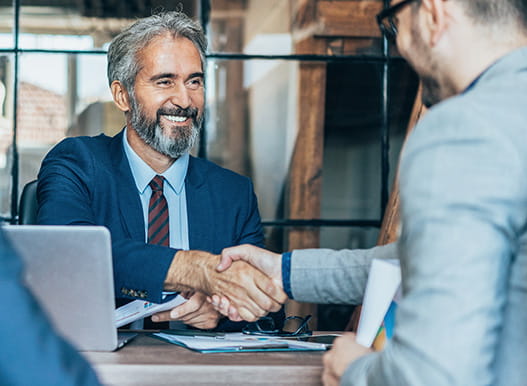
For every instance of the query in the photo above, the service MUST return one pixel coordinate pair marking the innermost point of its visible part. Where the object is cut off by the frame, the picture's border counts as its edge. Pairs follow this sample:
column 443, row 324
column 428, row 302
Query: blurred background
column 303, row 96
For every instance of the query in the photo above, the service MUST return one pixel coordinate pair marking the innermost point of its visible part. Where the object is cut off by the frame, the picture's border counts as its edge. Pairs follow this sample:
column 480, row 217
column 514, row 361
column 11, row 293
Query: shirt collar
column 143, row 174
column 512, row 61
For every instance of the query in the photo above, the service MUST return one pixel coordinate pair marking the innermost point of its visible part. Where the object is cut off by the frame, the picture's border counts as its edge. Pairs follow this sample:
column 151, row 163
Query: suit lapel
column 130, row 208
column 199, row 209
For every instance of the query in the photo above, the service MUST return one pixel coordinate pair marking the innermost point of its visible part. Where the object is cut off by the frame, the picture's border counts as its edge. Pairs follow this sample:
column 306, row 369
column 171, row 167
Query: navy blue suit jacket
column 88, row 180
column 31, row 353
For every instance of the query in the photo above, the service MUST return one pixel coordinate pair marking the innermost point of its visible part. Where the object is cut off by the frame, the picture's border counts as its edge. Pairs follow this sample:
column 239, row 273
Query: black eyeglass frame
column 302, row 330
column 390, row 30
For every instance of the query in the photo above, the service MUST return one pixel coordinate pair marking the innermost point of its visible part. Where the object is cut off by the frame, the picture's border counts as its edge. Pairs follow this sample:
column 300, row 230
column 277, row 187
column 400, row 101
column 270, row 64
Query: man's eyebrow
column 196, row 75
column 163, row 75
column 173, row 76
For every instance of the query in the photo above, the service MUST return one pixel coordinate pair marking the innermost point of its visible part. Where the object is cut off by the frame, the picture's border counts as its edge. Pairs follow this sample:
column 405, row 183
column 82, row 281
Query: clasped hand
column 248, row 289
column 267, row 263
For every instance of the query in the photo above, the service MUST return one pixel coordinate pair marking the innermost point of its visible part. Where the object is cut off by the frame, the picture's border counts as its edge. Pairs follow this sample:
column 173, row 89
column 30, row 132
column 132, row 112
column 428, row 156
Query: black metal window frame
column 205, row 8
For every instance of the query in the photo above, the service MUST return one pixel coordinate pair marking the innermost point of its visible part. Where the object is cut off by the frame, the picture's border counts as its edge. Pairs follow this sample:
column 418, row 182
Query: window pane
column 403, row 90
column 6, row 24
column 352, row 144
column 251, row 124
column 352, row 151
column 61, row 25
column 6, row 132
column 60, row 95
column 82, row 25
column 284, row 27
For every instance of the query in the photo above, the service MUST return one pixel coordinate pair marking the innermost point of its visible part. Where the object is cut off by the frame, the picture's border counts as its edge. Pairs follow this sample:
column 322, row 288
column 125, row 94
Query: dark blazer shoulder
column 98, row 144
column 201, row 171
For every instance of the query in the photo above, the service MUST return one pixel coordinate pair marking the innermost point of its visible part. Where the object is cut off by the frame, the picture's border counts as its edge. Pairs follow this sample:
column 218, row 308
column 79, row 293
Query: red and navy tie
column 158, row 230
column 158, row 226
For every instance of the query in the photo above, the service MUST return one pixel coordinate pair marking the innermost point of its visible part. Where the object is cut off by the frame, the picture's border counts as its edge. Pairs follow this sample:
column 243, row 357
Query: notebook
column 69, row 270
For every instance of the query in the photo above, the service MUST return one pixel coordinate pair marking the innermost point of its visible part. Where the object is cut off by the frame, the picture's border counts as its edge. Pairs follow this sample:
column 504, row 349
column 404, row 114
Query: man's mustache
column 189, row 112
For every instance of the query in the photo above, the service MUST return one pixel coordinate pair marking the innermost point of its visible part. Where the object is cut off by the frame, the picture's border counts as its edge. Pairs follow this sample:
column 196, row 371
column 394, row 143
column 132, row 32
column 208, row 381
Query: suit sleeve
column 66, row 183
column 463, row 193
column 327, row 276
column 31, row 352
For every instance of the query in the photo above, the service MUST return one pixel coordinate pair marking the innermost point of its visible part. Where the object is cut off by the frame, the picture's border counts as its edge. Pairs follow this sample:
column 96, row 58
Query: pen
column 264, row 347
column 194, row 333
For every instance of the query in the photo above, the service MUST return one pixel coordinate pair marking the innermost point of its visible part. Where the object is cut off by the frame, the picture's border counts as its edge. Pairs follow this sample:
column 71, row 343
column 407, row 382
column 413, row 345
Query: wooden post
column 305, row 181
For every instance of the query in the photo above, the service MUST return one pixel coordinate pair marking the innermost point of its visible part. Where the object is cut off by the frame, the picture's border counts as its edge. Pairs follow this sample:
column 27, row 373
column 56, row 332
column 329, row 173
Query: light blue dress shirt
column 173, row 189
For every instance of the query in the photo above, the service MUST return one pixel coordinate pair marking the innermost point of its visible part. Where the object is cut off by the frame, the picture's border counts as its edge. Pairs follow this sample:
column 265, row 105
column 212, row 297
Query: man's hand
column 249, row 291
column 268, row 262
column 195, row 312
column 345, row 350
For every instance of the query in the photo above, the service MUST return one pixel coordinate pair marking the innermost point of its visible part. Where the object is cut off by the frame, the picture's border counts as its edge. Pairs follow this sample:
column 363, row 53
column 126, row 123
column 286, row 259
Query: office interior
column 303, row 96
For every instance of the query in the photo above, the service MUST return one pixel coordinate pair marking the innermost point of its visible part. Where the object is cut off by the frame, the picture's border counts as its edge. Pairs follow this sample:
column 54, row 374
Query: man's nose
column 181, row 97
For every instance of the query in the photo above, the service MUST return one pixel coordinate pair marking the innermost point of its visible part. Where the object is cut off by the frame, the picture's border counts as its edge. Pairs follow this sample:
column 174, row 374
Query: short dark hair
column 125, row 47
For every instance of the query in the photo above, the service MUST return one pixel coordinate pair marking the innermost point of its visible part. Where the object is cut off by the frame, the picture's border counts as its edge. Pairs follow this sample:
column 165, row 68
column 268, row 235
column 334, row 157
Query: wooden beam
column 348, row 18
column 305, row 182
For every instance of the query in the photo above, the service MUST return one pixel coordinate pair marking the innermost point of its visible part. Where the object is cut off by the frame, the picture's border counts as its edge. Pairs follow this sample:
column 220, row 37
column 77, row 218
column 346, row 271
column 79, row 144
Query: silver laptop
column 69, row 270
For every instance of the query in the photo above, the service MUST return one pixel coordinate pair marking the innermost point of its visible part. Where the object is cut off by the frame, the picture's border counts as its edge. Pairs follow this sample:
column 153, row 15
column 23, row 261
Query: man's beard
column 174, row 144
column 434, row 87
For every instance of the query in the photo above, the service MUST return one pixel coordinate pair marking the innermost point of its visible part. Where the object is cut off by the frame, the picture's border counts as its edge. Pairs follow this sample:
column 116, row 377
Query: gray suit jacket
column 463, row 247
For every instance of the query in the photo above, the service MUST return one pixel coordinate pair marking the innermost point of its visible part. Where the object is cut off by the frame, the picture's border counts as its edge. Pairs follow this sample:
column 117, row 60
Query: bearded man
column 156, row 199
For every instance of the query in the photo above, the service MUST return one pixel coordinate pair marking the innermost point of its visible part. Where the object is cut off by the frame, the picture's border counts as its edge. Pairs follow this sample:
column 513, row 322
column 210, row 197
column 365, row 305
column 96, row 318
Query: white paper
column 139, row 309
column 384, row 281
column 237, row 342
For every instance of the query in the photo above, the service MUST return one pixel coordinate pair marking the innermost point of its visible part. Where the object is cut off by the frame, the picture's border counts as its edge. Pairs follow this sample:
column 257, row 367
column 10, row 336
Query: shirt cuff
column 286, row 273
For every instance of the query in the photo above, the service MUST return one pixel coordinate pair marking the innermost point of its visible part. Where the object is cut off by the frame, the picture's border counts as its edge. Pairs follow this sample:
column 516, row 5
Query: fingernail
column 155, row 318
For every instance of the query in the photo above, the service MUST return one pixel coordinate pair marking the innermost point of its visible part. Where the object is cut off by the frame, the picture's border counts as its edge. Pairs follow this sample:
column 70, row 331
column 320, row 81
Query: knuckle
column 270, row 287
column 267, row 304
column 260, row 313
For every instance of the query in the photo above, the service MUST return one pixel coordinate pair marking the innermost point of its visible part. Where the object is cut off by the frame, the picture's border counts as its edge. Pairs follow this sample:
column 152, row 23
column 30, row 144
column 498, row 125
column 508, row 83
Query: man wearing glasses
column 463, row 188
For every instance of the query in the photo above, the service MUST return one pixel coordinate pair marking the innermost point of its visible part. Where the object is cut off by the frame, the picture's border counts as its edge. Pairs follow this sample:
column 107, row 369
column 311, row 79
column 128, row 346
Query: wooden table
column 149, row 361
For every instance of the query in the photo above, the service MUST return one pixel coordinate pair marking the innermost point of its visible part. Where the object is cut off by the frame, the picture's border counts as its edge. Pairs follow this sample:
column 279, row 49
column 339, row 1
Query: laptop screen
column 69, row 270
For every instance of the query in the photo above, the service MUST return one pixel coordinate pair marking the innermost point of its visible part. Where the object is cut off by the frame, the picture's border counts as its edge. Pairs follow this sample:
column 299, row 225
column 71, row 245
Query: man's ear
column 120, row 96
column 435, row 19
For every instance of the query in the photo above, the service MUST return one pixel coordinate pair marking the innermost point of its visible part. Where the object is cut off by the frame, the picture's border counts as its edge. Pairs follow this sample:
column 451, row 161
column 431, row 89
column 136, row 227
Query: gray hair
column 123, row 63
column 491, row 12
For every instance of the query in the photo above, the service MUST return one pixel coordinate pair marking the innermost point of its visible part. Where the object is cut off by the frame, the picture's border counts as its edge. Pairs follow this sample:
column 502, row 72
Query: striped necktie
column 158, row 226
column 158, row 231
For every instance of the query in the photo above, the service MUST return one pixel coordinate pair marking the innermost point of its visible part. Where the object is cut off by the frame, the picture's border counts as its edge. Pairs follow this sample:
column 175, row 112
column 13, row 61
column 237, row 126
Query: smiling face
column 166, row 107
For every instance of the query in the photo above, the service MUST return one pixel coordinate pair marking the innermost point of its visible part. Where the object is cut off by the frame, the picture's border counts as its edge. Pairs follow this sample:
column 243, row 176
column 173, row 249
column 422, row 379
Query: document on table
column 139, row 309
column 237, row 342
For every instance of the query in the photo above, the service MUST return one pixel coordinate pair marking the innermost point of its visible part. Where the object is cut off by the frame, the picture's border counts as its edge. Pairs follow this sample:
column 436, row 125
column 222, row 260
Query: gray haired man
column 168, row 212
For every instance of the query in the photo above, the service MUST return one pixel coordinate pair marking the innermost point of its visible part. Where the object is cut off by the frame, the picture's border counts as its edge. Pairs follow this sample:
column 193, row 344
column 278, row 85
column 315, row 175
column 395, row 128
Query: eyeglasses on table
column 294, row 326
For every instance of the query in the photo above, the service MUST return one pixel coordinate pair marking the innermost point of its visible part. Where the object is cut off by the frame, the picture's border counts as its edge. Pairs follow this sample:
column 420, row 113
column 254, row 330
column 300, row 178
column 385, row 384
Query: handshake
column 243, row 283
